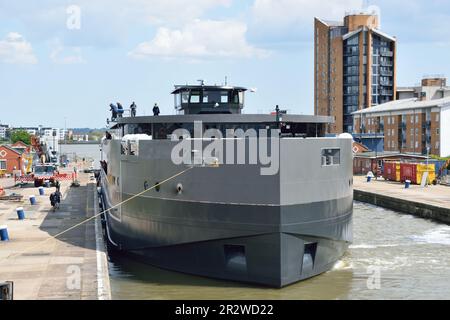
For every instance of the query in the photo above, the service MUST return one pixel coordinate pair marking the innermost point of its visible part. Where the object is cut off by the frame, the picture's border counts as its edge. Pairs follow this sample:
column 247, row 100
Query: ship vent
column 235, row 258
column 309, row 255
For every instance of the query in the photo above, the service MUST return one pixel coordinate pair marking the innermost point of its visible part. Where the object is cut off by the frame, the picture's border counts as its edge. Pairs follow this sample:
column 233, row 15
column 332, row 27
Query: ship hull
column 272, row 250
column 231, row 222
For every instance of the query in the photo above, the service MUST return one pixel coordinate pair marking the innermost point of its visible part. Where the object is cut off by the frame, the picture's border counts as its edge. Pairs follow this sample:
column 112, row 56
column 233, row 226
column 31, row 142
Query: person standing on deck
column 156, row 111
column 133, row 108
column 119, row 109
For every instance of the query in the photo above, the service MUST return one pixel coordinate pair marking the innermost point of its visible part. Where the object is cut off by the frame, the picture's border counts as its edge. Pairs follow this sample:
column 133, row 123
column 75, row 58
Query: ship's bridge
column 202, row 99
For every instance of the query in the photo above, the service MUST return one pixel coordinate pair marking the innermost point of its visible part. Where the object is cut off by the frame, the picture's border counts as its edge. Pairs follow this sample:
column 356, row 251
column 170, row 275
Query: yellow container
column 422, row 168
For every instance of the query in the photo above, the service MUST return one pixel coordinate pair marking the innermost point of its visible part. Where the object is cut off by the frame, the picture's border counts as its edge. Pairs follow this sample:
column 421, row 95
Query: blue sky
column 136, row 50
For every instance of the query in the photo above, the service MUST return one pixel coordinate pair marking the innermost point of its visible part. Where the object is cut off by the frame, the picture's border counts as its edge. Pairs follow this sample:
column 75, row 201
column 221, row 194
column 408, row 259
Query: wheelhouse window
column 195, row 97
column 224, row 97
column 331, row 157
column 185, row 97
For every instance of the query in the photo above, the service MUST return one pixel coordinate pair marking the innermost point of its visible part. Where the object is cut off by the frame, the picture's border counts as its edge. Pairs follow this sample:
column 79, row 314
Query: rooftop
column 406, row 104
column 388, row 154
column 378, row 32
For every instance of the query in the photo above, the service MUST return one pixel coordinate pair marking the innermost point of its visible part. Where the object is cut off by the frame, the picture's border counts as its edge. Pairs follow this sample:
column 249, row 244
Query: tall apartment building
column 354, row 68
column 414, row 125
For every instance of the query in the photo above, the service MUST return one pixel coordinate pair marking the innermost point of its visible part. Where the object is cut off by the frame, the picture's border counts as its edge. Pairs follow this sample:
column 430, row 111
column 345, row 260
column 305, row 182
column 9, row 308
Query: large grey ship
column 221, row 220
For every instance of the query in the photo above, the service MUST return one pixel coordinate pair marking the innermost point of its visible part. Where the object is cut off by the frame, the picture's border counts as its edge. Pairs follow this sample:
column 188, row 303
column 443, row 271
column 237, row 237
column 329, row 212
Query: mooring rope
column 99, row 214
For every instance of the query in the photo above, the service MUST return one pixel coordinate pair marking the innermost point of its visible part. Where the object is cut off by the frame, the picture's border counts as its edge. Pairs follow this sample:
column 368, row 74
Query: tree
column 20, row 135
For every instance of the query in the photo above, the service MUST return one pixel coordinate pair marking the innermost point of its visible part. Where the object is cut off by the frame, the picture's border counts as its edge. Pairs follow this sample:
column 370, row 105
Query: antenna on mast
column 226, row 80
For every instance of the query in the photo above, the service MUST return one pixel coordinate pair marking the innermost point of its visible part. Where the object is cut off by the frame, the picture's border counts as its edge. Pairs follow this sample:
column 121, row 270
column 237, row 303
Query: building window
column 437, row 117
column 389, row 120
column 412, row 119
column 2, row 164
column 417, row 119
column 331, row 157
column 438, row 131
column 393, row 120
column 437, row 145
column 417, row 144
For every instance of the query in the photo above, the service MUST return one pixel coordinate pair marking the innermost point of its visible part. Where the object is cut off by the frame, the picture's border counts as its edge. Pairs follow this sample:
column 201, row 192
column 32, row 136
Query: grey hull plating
column 274, row 251
column 230, row 222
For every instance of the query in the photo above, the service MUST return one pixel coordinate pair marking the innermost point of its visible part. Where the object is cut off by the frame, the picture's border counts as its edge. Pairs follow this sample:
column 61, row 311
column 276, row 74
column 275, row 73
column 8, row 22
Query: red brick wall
column 12, row 159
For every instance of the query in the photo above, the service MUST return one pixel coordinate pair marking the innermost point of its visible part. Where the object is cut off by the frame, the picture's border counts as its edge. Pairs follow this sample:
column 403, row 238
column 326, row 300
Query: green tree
column 20, row 135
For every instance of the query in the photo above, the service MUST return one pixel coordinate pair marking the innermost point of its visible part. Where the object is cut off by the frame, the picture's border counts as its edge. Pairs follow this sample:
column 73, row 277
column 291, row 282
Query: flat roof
column 180, row 88
column 388, row 154
column 405, row 104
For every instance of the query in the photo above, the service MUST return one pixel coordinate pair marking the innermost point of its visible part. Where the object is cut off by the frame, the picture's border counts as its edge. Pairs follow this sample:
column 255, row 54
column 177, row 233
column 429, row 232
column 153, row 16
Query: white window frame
column 6, row 164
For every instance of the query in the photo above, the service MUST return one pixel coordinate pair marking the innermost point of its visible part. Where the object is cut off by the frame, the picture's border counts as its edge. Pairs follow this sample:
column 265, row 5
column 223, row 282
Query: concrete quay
column 71, row 267
column 432, row 202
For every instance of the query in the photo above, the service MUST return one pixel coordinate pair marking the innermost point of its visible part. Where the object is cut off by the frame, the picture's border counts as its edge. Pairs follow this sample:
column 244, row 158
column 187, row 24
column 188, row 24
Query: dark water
column 409, row 256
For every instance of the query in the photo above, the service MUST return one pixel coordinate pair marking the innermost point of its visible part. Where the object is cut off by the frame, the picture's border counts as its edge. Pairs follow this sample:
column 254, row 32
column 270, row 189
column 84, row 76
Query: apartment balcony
column 386, row 83
column 386, row 92
column 386, row 63
column 356, row 73
column 387, row 73
column 387, row 53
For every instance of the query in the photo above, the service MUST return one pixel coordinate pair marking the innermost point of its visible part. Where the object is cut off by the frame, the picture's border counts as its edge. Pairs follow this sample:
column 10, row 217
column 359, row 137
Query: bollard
column 41, row 191
column 4, row 233
column 20, row 213
column 407, row 184
column 32, row 200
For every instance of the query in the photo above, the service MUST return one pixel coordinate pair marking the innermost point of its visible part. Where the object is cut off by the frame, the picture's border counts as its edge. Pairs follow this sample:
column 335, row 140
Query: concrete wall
column 406, row 206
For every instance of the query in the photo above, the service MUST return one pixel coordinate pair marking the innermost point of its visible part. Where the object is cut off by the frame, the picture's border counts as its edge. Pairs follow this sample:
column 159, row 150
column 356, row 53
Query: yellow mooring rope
column 99, row 214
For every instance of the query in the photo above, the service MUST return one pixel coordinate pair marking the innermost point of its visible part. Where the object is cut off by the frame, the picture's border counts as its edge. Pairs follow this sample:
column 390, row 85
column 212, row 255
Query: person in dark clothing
column 113, row 111
column 55, row 200
column 156, row 111
column 133, row 108
column 119, row 109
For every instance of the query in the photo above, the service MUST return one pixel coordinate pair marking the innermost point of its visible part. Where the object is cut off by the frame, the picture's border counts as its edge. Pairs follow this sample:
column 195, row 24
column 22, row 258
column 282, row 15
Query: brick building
column 10, row 160
column 413, row 125
column 354, row 68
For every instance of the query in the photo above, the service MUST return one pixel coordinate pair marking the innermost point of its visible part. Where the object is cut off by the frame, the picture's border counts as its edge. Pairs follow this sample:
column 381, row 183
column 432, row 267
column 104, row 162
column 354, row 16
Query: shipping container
column 408, row 171
column 414, row 172
column 391, row 171
column 422, row 168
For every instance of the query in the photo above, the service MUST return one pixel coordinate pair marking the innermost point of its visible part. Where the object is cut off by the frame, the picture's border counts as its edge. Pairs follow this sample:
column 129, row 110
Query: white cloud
column 15, row 49
column 66, row 55
column 287, row 12
column 200, row 39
